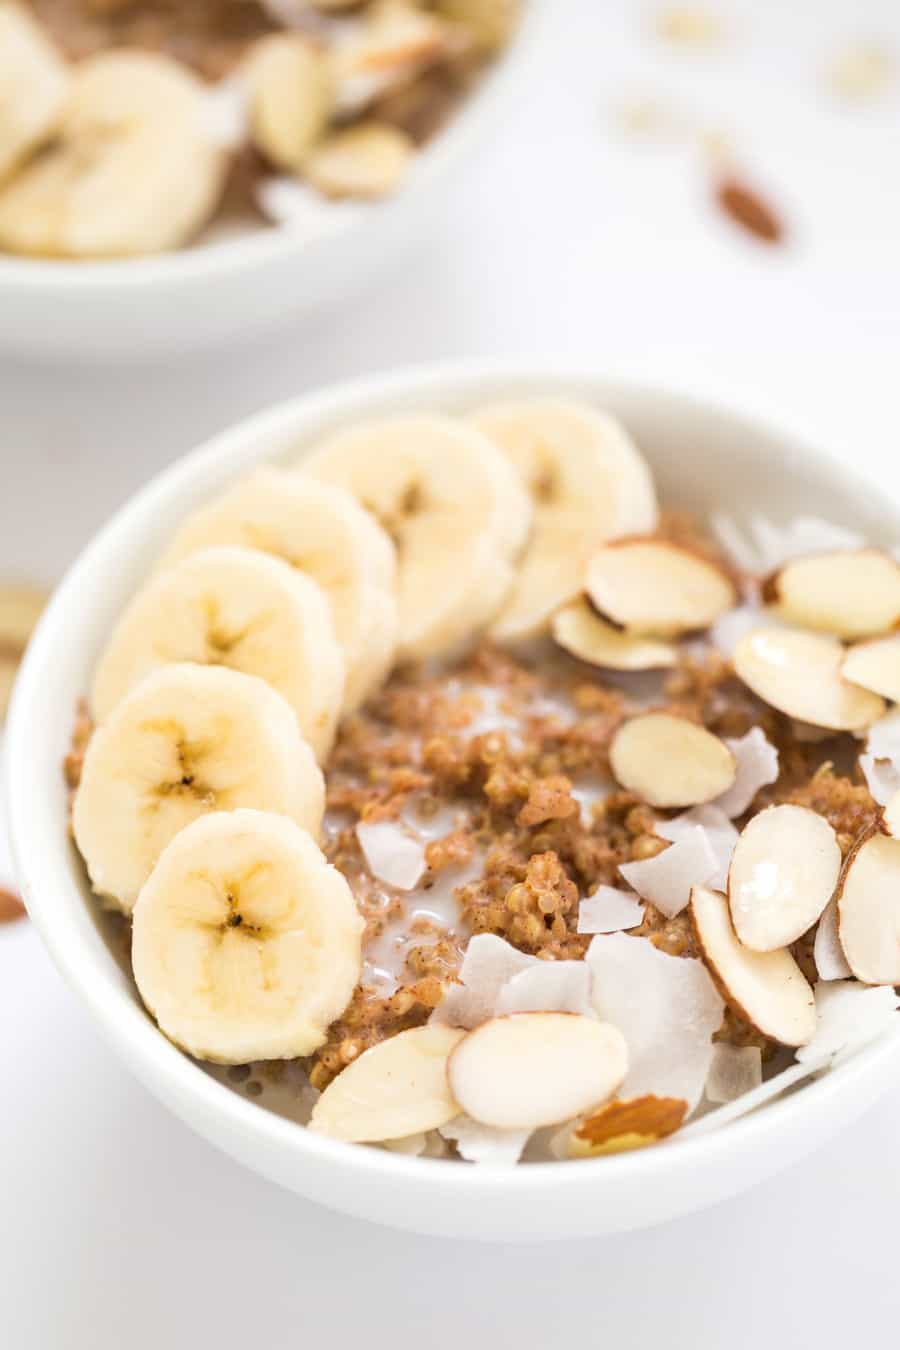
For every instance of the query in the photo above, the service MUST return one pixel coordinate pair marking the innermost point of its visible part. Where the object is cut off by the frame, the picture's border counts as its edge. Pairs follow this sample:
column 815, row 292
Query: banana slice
column 589, row 483
column 239, row 608
column 133, row 168
column 322, row 531
column 34, row 82
column 291, row 96
column 187, row 741
column 246, row 941
column 455, row 510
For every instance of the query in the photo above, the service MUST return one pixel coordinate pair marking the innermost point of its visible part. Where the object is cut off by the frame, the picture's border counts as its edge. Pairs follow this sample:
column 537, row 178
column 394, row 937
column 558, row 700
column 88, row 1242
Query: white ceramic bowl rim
column 246, row 252
column 53, row 899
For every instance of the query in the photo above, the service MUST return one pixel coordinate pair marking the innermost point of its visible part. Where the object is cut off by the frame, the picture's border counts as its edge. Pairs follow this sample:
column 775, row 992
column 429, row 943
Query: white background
column 117, row 1227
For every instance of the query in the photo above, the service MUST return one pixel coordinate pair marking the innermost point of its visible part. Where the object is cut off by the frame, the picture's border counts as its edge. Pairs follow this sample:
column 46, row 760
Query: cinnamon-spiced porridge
column 198, row 120
column 455, row 796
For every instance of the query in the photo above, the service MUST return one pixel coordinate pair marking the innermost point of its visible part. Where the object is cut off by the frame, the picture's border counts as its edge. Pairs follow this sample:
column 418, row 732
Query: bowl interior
column 704, row 457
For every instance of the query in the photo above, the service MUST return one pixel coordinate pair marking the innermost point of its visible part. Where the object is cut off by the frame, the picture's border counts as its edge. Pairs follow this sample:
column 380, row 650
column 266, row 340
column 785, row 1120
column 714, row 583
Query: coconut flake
column 292, row 204
column 666, row 880
column 225, row 115
column 477, row 1143
column 609, row 910
column 729, row 628
column 883, row 736
column 719, row 830
column 412, row 1145
column 393, row 854
column 548, row 986
column 848, row 1015
column 666, row 1007
column 882, row 778
column 770, row 545
column 734, row 1070
column 828, row 954
column 489, row 963
column 757, row 766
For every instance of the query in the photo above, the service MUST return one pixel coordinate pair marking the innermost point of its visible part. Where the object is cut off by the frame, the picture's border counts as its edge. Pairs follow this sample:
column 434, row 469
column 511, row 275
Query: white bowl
column 228, row 290
column 704, row 456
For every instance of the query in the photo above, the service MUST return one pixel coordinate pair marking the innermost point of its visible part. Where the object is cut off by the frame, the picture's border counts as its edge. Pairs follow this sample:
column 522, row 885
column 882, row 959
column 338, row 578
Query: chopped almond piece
column 580, row 630
column 366, row 160
column 800, row 674
column 767, row 989
column 849, row 594
column 783, row 872
column 650, row 586
column 869, row 910
column 669, row 761
column 620, row 1126
column 532, row 1069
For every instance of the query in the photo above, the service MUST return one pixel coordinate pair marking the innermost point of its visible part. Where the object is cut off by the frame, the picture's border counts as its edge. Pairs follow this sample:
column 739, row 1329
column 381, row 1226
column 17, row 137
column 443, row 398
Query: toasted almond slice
column 666, row 879
column 366, row 160
column 652, row 586
column 767, row 989
column 869, row 909
column 580, row 630
column 876, row 666
column 290, row 97
column 800, row 674
column 489, row 964
column 851, row 595
column 531, row 1069
column 11, row 906
column 669, row 761
column 783, row 872
column 620, row 1126
column 397, row 1088
column 477, row 1143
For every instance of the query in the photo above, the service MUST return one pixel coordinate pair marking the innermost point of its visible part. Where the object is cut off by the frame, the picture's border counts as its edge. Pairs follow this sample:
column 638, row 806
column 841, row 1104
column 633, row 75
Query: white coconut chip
column 828, row 954
column 757, row 766
column 734, row 1071
column 728, row 629
column 412, row 1145
column 485, row 1144
column 798, row 673
column 882, row 777
column 393, row 854
column 666, row 879
column 848, row 1015
column 225, row 115
column 548, row 986
column 287, row 202
column 489, row 963
column 883, row 736
column 770, row 545
column 666, row 1007
column 719, row 830
column 609, row 910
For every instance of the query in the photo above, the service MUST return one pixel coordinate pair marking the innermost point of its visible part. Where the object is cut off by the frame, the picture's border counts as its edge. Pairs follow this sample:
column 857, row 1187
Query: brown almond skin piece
column 650, row 1117
column 11, row 906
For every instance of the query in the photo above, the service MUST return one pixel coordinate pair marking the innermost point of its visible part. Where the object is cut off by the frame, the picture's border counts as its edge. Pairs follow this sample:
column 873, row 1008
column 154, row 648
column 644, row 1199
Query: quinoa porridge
column 453, row 796
column 228, row 115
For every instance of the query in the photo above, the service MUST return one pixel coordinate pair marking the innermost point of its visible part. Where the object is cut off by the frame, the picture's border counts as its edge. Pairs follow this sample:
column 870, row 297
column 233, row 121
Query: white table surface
column 119, row 1228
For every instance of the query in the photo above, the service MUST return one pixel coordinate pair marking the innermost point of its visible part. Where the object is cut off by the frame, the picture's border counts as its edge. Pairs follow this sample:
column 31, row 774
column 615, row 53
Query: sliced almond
column 580, row 630
column 609, row 910
column 370, row 159
column 869, row 909
column 396, row 1089
column 620, row 1126
column 875, row 665
column 290, row 97
column 783, row 872
column 651, row 586
column 851, row 595
column 828, row 954
column 532, row 1069
column 800, row 674
column 767, row 989
column 669, row 761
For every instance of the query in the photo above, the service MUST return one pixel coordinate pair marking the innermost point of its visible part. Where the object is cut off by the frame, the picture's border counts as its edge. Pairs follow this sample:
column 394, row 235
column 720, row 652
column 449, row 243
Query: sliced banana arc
column 783, row 872
column 133, row 167
column 239, row 608
column 247, row 943
column 188, row 740
column 397, row 1088
column 767, row 989
column 320, row 530
column 669, row 761
column 588, row 483
column 455, row 510
column 536, row 1068
column 869, row 910
column 290, row 97
column 579, row 629
column 875, row 666
column 849, row 594
column 34, row 84
column 650, row 586
column 800, row 674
